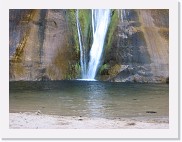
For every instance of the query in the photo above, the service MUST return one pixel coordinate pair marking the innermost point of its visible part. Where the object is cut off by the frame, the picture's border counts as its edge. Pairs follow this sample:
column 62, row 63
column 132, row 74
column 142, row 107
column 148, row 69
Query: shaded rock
column 141, row 43
column 132, row 123
column 167, row 80
column 151, row 112
column 38, row 112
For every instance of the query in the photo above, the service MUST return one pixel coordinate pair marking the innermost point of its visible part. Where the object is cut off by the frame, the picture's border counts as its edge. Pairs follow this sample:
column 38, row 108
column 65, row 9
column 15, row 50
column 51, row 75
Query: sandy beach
column 29, row 120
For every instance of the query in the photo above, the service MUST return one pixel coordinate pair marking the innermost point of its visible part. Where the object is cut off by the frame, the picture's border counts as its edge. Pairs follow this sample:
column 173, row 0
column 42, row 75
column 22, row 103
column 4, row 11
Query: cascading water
column 82, row 53
column 100, row 22
column 122, row 14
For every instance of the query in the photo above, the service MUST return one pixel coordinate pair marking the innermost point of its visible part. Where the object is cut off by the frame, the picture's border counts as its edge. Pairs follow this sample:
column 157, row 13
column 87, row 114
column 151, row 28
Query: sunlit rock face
column 43, row 45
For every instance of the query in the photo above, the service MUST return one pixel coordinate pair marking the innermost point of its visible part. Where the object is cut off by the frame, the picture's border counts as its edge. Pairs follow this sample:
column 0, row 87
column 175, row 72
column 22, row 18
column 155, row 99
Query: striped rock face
column 44, row 45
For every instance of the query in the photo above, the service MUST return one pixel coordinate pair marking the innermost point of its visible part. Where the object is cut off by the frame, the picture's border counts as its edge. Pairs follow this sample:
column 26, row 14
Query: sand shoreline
column 30, row 120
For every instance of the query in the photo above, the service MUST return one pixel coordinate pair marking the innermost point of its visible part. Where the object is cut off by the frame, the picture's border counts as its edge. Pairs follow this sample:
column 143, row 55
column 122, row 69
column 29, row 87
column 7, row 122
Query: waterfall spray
column 100, row 23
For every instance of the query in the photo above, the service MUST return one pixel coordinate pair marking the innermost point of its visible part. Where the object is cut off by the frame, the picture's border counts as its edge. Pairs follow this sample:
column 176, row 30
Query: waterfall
column 100, row 22
column 82, row 52
column 122, row 14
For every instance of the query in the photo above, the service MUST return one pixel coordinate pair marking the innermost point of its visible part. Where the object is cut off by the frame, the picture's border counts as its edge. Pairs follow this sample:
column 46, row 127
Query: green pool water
column 90, row 98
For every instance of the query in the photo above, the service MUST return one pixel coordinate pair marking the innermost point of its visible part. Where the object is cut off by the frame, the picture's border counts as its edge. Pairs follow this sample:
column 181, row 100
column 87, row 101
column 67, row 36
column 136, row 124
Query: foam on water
column 86, row 79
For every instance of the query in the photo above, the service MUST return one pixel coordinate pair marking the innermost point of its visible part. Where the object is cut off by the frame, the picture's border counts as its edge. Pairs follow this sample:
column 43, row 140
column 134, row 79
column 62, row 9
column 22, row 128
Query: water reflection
column 95, row 102
column 91, row 99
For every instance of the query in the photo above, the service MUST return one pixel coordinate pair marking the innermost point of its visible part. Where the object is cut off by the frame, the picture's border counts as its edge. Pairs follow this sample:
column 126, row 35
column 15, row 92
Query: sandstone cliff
column 139, row 51
column 43, row 45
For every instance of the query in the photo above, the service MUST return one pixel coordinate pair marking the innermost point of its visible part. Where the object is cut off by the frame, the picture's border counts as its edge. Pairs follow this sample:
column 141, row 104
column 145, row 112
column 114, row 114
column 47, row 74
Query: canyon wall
column 43, row 45
column 139, row 49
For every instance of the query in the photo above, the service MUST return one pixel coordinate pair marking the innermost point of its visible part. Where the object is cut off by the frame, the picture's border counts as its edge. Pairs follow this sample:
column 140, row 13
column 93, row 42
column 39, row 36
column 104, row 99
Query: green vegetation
column 77, row 69
column 73, row 29
column 104, row 67
column 85, row 23
column 86, row 30
column 111, row 30
column 115, row 70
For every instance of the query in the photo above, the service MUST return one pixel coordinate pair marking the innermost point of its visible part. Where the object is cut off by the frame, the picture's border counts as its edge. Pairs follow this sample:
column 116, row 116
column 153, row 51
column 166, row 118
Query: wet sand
column 29, row 120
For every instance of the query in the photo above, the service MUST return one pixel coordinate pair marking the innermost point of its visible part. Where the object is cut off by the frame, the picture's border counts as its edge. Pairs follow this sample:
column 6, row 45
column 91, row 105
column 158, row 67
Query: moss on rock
column 111, row 30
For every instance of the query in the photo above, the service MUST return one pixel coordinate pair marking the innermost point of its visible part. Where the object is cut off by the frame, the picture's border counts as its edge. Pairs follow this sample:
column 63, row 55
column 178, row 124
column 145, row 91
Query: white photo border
column 171, row 133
